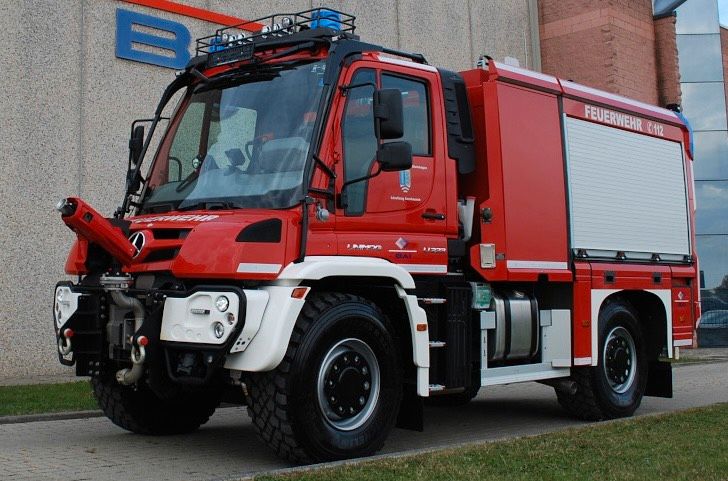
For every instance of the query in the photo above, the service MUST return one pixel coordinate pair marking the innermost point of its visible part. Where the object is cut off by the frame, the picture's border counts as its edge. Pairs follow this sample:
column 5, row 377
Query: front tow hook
column 64, row 342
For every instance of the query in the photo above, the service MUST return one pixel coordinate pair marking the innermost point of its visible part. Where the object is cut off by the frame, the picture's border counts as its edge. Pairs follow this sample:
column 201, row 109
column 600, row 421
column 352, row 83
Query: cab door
column 399, row 216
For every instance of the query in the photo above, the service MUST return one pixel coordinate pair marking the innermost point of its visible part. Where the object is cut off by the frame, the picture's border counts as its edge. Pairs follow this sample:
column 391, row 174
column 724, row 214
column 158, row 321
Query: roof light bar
column 274, row 26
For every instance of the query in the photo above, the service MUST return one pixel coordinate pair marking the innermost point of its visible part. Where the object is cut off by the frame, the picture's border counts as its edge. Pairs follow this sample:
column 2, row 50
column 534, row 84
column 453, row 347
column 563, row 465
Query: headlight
column 218, row 329
column 222, row 303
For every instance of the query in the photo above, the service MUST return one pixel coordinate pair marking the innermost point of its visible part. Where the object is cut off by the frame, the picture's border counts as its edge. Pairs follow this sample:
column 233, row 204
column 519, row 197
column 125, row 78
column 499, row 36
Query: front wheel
column 139, row 410
column 337, row 392
column 614, row 388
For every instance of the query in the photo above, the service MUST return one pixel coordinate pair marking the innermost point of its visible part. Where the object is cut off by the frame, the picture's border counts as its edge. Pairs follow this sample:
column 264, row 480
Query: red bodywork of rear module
column 519, row 180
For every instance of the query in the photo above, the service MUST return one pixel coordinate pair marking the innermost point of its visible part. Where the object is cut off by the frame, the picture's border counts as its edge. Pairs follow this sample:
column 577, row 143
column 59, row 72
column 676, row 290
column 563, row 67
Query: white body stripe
column 527, row 73
column 682, row 342
column 619, row 98
column 536, row 265
column 582, row 361
column 253, row 268
column 424, row 268
column 407, row 63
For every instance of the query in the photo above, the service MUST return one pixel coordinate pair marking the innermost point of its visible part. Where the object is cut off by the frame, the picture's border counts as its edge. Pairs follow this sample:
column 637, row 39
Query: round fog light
column 222, row 303
column 218, row 329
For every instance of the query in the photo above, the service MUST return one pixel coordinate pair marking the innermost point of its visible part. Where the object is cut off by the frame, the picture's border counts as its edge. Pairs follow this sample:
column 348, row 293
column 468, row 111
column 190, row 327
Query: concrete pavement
column 226, row 447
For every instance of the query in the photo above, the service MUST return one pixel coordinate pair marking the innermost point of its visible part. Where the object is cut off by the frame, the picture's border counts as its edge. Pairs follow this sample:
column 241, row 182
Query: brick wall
column 607, row 44
column 668, row 72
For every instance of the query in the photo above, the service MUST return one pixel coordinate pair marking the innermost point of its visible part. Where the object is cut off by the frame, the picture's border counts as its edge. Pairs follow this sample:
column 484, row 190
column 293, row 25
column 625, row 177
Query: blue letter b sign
column 126, row 37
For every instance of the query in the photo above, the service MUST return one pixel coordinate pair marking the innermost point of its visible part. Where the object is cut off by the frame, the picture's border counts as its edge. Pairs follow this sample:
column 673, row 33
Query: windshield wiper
column 212, row 205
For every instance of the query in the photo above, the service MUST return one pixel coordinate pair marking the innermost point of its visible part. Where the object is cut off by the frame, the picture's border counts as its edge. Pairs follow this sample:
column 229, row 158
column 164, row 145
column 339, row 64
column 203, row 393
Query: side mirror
column 388, row 121
column 395, row 156
column 136, row 143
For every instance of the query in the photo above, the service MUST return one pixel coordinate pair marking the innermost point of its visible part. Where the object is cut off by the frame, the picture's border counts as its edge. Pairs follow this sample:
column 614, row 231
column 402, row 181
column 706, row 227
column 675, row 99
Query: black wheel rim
column 620, row 359
column 348, row 384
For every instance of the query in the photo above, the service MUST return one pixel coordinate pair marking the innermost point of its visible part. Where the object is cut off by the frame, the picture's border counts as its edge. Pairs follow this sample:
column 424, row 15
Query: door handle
column 433, row 216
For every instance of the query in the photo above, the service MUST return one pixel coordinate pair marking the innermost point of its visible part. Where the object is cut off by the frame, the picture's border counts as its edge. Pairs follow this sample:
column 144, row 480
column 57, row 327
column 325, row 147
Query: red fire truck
column 332, row 232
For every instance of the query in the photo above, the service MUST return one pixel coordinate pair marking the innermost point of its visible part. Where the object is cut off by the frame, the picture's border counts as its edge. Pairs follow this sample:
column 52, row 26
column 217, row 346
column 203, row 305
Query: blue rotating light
column 324, row 17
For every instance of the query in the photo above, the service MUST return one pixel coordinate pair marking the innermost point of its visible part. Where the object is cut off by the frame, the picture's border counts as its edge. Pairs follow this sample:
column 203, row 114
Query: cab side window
column 415, row 112
column 360, row 142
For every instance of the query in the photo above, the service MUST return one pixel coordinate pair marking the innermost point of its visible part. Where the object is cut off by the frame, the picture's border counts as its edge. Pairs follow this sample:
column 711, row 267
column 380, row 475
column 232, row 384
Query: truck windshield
column 242, row 142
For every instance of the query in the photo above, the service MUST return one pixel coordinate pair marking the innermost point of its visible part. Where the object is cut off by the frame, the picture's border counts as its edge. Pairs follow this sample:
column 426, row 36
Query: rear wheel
column 614, row 388
column 139, row 410
column 337, row 392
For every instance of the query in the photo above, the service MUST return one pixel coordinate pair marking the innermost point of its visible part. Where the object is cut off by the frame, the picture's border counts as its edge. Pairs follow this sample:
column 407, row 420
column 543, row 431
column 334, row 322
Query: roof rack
column 274, row 26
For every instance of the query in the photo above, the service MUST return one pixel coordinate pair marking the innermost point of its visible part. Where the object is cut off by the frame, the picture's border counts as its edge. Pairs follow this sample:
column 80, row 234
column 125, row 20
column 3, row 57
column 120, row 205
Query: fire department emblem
column 401, row 243
column 405, row 180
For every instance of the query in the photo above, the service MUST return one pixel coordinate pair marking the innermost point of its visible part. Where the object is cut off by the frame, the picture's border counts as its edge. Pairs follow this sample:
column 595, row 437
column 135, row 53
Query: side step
column 432, row 300
column 436, row 387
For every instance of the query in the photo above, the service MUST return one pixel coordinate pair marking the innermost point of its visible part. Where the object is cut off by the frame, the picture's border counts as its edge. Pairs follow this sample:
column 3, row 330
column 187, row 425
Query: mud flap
column 411, row 411
column 659, row 379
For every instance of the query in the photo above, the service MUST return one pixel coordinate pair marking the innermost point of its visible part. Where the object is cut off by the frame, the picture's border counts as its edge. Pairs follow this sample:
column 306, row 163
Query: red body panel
column 210, row 250
column 525, row 188
column 392, row 227
column 581, row 319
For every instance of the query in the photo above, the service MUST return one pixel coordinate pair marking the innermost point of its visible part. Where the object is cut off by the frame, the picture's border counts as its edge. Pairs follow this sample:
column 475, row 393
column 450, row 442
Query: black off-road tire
column 595, row 399
column 141, row 411
column 284, row 403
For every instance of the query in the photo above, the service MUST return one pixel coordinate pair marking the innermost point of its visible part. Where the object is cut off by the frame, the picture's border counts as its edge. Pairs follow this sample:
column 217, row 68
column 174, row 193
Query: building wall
column 607, row 44
column 666, row 61
column 67, row 103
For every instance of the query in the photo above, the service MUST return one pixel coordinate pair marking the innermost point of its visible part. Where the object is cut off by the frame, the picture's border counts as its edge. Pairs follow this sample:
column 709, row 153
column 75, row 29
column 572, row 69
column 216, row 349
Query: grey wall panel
column 440, row 30
column 39, row 153
column 501, row 29
column 626, row 191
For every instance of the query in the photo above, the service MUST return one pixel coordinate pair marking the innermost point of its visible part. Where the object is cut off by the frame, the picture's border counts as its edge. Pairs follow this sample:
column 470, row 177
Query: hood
column 242, row 244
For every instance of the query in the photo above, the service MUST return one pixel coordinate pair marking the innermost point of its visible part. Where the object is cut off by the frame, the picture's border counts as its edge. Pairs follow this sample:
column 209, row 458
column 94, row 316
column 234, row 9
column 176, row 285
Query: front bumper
column 186, row 336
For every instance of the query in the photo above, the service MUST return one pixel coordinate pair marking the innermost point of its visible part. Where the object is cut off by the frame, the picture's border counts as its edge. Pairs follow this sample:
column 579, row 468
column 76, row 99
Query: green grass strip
column 689, row 445
column 46, row 398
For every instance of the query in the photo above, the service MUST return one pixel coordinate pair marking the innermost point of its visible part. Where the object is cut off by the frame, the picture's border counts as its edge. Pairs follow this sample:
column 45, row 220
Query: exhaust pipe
column 128, row 376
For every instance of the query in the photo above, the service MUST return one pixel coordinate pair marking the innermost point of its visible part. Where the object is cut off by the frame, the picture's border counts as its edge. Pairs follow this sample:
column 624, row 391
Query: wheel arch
column 385, row 284
column 403, row 312
column 652, row 308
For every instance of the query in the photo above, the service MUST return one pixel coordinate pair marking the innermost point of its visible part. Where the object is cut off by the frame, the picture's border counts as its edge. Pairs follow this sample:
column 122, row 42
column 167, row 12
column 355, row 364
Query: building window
column 711, row 155
column 704, row 64
column 704, row 105
column 697, row 16
column 712, row 199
